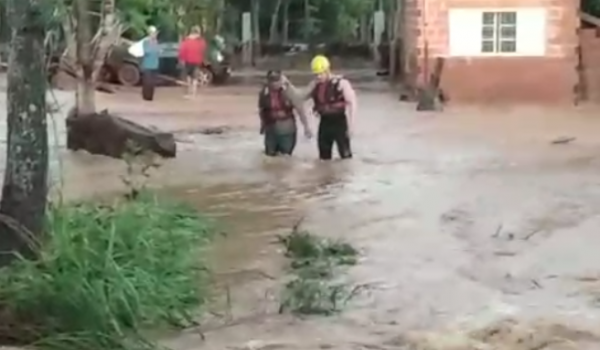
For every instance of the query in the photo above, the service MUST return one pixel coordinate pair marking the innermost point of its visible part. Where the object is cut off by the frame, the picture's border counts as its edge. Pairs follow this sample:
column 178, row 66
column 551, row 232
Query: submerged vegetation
column 105, row 274
column 314, row 261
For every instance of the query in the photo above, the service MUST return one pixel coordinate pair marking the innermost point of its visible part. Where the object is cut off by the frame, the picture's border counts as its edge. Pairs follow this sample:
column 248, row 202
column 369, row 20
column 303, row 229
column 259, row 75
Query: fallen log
column 109, row 135
column 64, row 80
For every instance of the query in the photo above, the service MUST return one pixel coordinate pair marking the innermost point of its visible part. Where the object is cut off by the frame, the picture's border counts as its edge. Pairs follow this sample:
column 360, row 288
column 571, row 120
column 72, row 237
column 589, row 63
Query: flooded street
column 474, row 228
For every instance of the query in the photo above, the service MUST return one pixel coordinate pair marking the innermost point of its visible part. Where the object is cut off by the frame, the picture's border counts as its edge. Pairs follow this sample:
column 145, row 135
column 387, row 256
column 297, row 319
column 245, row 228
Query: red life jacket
column 328, row 98
column 276, row 105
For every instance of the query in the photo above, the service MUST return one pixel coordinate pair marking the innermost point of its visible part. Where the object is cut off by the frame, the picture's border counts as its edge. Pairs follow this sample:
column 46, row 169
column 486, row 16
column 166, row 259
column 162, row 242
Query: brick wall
column 551, row 78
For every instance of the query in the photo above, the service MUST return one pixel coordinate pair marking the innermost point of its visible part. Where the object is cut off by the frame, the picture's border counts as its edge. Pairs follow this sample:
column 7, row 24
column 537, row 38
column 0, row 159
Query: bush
column 314, row 262
column 106, row 273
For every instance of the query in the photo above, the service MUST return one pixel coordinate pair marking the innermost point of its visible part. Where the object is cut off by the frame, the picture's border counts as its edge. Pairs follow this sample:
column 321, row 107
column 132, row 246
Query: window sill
column 497, row 55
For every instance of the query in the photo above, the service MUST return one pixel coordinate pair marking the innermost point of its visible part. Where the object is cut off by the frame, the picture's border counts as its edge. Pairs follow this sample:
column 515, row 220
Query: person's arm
column 145, row 45
column 352, row 105
column 307, row 93
column 261, row 112
column 304, row 94
column 298, row 104
column 182, row 48
column 202, row 52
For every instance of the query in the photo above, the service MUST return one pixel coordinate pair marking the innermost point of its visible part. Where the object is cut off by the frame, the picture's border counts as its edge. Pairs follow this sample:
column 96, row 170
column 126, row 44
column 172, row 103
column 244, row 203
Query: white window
column 497, row 32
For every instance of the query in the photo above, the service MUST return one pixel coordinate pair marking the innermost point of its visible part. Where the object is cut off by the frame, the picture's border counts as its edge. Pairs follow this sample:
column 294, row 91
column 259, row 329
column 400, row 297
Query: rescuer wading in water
column 335, row 104
column 276, row 104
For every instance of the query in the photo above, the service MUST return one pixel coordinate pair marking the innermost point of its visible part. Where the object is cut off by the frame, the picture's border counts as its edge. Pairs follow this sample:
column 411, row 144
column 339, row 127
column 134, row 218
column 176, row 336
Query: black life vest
column 275, row 104
column 328, row 97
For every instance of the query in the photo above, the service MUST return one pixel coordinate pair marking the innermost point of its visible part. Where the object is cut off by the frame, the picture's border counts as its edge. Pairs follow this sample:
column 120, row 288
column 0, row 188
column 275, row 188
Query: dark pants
column 148, row 84
column 333, row 129
column 191, row 70
column 277, row 142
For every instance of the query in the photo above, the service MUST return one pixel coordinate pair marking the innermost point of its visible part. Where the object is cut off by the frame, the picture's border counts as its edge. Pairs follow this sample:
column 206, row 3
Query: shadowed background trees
column 276, row 20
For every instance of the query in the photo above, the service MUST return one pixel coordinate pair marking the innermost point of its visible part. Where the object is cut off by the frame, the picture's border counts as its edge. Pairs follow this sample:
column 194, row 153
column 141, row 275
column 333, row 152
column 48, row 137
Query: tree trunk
column 69, row 56
column 25, row 187
column 307, row 24
column 220, row 18
column 285, row 32
column 273, row 33
column 108, row 34
column 398, row 41
column 255, row 17
column 364, row 29
column 86, row 99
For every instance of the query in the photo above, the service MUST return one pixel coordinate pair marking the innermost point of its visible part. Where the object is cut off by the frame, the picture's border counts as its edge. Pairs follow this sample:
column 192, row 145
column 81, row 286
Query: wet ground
column 475, row 228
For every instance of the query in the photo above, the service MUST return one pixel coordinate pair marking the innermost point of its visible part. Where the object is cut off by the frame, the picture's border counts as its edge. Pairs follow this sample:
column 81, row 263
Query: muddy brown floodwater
column 476, row 231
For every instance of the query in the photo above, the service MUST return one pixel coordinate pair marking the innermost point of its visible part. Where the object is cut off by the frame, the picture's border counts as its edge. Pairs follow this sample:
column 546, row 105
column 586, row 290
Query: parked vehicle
column 123, row 68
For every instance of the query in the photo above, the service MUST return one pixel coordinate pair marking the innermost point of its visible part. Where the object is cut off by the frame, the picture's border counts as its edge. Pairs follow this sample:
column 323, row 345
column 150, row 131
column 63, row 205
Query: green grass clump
column 314, row 263
column 105, row 274
column 305, row 249
column 315, row 296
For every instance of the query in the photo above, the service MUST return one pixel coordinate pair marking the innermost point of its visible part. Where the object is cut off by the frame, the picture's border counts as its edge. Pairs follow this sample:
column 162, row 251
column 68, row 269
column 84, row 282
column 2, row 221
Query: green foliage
column 310, row 296
column 305, row 249
column 339, row 19
column 105, row 274
column 328, row 19
column 591, row 6
column 314, row 262
column 172, row 16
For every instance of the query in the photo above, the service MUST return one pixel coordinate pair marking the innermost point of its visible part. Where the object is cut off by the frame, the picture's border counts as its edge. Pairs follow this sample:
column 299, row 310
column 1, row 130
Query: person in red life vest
column 276, row 104
column 335, row 104
column 191, row 57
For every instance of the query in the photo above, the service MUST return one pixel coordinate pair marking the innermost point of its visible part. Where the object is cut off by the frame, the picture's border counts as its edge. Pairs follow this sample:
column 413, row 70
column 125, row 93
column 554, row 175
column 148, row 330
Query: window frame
column 496, row 26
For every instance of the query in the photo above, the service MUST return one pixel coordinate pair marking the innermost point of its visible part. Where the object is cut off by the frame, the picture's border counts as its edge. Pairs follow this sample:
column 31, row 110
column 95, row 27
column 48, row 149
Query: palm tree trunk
column 23, row 203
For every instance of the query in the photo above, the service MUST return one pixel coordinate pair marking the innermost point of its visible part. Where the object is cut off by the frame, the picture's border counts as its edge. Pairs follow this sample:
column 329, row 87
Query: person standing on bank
column 191, row 57
column 150, row 63
column 335, row 104
column 276, row 104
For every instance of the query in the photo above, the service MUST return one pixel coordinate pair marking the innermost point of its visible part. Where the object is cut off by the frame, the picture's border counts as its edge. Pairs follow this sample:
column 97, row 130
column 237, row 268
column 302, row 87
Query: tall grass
column 105, row 274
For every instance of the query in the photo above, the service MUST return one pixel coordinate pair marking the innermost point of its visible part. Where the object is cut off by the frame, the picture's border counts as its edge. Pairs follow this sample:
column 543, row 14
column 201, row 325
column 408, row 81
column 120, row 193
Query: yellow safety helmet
column 319, row 64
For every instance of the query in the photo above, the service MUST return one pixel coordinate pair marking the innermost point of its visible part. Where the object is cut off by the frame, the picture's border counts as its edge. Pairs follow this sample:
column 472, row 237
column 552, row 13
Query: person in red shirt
column 191, row 56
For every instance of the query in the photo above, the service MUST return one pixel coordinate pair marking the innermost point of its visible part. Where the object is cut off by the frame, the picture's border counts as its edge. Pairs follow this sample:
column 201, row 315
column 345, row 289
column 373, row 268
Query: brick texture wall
column 551, row 78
